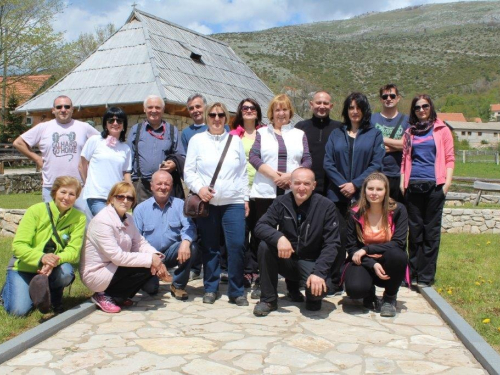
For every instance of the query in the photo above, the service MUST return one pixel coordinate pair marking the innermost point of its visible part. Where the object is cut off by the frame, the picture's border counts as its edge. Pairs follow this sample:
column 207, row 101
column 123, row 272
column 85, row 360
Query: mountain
column 439, row 49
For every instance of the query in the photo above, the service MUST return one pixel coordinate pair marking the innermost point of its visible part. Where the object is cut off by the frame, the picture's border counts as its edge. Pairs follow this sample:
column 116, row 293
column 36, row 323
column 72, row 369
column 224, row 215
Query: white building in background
column 478, row 134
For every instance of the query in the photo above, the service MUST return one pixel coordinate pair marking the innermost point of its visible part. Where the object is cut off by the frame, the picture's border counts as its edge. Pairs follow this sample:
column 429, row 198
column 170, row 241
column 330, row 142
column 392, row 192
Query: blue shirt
column 163, row 228
column 423, row 155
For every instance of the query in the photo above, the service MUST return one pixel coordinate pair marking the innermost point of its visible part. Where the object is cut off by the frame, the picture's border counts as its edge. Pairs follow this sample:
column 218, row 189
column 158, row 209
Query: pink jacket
column 109, row 244
column 445, row 153
column 240, row 130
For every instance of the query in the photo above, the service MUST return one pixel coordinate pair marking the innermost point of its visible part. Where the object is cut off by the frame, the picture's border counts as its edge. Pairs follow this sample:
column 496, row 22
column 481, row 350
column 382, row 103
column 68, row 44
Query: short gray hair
column 194, row 96
column 149, row 97
column 62, row 97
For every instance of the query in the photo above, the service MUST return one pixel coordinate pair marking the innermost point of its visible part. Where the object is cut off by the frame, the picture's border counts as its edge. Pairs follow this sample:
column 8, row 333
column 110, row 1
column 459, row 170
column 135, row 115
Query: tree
column 14, row 125
column 88, row 42
column 28, row 43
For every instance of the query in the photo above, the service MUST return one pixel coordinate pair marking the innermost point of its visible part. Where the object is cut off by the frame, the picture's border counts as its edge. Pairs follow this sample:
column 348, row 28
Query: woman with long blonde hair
column 377, row 228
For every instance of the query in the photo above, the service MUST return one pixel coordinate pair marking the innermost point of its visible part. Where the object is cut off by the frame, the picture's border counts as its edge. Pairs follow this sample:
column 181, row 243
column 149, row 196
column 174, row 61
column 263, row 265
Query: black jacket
column 317, row 239
column 399, row 225
column 317, row 131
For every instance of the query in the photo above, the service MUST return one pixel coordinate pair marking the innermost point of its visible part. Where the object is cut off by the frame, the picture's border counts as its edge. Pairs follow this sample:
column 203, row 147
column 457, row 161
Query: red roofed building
column 495, row 112
column 452, row 117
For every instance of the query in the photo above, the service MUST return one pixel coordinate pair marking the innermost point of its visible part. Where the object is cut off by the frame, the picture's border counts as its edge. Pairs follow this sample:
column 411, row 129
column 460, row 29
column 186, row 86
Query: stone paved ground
column 164, row 336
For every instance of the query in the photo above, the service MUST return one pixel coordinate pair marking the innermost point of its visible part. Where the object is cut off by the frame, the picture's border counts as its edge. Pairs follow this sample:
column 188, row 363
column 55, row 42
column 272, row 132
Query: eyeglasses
column 214, row 115
column 386, row 96
column 111, row 121
column 422, row 107
column 248, row 108
column 121, row 198
column 66, row 106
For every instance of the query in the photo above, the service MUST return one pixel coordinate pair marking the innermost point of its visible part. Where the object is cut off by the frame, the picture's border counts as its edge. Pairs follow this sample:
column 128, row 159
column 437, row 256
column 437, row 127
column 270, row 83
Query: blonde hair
column 65, row 181
column 279, row 100
column 211, row 106
column 119, row 188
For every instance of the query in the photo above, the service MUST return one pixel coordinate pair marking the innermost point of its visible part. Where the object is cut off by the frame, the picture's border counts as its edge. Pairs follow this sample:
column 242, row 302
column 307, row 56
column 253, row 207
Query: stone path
column 163, row 336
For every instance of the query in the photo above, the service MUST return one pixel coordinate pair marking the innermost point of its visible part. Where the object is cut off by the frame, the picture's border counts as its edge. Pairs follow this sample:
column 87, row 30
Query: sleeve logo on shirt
column 64, row 145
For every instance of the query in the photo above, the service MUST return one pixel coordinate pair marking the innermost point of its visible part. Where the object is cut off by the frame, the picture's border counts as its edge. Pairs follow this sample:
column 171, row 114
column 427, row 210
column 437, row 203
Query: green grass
column 19, row 200
column 480, row 170
column 467, row 277
column 12, row 326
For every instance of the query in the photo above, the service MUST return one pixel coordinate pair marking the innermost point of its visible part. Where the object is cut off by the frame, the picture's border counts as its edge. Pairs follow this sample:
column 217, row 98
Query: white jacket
column 203, row 155
column 264, row 187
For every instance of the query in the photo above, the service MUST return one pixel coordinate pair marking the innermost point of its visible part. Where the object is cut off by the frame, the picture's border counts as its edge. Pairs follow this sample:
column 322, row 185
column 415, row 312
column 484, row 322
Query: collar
column 169, row 202
column 320, row 122
column 160, row 129
column 217, row 137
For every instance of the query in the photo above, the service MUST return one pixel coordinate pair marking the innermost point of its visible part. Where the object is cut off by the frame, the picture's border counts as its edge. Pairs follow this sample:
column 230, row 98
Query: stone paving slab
column 160, row 335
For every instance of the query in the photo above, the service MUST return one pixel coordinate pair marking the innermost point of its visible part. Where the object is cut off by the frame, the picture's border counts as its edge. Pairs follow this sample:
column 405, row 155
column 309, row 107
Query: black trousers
column 342, row 208
column 296, row 271
column 424, row 226
column 127, row 281
column 394, row 190
column 360, row 279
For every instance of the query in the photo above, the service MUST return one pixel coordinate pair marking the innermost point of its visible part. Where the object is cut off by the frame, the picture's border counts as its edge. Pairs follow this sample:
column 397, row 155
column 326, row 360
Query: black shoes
column 209, row 297
column 371, row 301
column 313, row 305
column 388, row 308
column 239, row 301
column 295, row 295
column 335, row 290
column 40, row 293
column 264, row 308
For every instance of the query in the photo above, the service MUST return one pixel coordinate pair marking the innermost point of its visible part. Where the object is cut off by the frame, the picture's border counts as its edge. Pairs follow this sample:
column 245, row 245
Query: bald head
column 161, row 186
column 321, row 104
column 303, row 183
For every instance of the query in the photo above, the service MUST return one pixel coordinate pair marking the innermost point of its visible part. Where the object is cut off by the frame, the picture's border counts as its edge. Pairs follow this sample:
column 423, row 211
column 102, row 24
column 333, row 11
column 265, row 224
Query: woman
column 44, row 252
column 228, row 202
column 245, row 124
column 426, row 174
column 117, row 261
column 277, row 151
column 352, row 152
column 105, row 160
column 376, row 245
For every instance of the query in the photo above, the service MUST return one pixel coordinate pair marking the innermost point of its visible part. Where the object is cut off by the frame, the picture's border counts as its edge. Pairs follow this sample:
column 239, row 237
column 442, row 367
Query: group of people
column 326, row 204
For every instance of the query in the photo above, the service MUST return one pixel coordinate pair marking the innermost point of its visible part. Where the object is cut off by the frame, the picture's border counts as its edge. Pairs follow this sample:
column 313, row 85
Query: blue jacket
column 367, row 156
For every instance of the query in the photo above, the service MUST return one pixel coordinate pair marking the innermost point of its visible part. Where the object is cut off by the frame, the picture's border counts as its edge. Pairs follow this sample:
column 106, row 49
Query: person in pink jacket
column 117, row 261
column 426, row 174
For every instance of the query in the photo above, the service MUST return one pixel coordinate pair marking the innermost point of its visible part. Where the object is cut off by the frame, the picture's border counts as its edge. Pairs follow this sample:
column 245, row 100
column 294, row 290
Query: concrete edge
column 26, row 340
column 480, row 349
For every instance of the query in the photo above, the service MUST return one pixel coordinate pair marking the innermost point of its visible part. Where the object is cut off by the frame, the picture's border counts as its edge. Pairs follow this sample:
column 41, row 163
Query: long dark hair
column 238, row 119
column 413, row 117
column 363, row 104
column 118, row 113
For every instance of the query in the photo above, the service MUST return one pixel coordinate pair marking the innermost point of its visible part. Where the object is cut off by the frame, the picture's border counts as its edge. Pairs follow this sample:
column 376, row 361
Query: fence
column 477, row 156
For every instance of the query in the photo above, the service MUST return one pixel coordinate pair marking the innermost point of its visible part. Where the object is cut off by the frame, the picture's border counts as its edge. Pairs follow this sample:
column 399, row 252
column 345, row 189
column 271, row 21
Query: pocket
column 175, row 224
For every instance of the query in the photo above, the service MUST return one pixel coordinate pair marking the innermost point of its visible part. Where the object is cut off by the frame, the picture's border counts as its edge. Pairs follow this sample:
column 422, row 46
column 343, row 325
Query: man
column 60, row 141
column 318, row 129
column 304, row 247
column 155, row 145
column 196, row 107
column 392, row 124
column 162, row 223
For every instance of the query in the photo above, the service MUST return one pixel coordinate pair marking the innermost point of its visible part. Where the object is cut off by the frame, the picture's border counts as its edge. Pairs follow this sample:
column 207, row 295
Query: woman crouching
column 377, row 229
column 117, row 261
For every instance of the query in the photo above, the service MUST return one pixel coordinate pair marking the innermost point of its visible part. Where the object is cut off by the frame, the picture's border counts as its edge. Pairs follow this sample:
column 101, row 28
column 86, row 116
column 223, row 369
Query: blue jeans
column 232, row 218
column 16, row 296
column 96, row 205
column 181, row 274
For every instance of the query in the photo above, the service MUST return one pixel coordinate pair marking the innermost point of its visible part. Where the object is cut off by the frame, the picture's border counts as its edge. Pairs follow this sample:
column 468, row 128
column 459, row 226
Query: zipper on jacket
column 293, row 216
column 320, row 134
column 307, row 232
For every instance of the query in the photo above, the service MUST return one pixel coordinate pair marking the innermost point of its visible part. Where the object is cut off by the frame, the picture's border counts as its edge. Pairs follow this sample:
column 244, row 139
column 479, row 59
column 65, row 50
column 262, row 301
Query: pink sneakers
column 105, row 303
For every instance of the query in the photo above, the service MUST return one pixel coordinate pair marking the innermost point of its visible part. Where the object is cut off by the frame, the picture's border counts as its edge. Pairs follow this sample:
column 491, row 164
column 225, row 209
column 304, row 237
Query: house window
column 479, row 133
column 463, row 133
column 469, row 133
column 29, row 121
column 495, row 134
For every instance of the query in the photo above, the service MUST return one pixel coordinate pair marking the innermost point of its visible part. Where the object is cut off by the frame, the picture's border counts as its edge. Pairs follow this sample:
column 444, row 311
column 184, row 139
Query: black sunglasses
column 248, row 108
column 111, row 121
column 121, row 197
column 214, row 115
column 386, row 96
column 66, row 106
column 423, row 106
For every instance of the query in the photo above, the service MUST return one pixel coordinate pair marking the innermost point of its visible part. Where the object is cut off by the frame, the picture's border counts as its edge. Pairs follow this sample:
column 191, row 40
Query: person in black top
column 304, row 247
column 318, row 129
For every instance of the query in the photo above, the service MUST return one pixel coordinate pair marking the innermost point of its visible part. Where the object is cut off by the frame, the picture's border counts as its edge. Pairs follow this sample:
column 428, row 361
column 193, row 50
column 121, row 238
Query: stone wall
column 21, row 183
column 472, row 221
column 458, row 199
column 9, row 220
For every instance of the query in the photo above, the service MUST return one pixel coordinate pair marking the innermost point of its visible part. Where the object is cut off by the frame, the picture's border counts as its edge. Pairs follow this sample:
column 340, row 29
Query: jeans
column 181, row 273
column 96, row 205
column 16, row 296
column 232, row 218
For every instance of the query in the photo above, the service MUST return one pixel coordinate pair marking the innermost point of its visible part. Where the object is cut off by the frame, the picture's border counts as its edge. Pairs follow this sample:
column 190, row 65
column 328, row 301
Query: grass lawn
column 480, row 170
column 19, row 200
column 11, row 326
column 468, row 278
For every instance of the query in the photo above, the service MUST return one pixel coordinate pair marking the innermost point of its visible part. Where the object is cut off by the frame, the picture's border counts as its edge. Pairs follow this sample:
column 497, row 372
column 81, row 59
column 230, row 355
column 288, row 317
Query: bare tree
column 89, row 42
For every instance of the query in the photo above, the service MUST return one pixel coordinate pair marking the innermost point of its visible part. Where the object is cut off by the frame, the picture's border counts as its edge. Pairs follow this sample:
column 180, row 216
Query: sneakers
column 209, row 297
column 105, row 303
column 371, row 301
column 335, row 290
column 224, row 277
column 247, row 280
column 313, row 305
column 40, row 293
column 264, row 308
column 295, row 295
column 239, row 301
column 255, row 293
column 178, row 293
column 388, row 308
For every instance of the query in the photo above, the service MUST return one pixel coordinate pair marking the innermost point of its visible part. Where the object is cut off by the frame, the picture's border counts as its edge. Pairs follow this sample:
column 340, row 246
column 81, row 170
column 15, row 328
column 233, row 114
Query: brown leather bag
column 194, row 206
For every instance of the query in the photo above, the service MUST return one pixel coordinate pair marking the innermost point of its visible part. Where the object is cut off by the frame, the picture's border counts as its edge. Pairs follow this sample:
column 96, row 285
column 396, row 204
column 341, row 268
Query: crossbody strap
column 136, row 144
column 54, row 231
column 395, row 130
column 217, row 170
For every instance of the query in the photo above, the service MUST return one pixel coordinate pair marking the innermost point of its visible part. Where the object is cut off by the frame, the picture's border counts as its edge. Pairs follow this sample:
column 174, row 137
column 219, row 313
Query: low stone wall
column 9, row 220
column 458, row 199
column 21, row 183
column 472, row 221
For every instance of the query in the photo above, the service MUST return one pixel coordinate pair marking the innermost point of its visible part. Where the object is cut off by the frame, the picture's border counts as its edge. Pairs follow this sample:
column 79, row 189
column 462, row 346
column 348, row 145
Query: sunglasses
column 386, row 96
column 66, row 106
column 214, row 115
column 423, row 107
column 111, row 121
column 121, row 198
column 246, row 108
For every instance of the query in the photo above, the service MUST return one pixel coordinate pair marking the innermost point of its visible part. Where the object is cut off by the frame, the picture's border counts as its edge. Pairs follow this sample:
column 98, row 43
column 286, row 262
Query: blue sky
column 215, row 16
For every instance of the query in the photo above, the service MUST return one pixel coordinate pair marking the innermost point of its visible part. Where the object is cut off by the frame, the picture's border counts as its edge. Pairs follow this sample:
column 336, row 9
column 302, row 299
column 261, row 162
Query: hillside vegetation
column 441, row 49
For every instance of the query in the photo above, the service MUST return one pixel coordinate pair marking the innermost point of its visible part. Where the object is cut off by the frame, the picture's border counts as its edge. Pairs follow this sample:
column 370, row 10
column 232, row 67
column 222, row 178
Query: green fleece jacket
column 35, row 230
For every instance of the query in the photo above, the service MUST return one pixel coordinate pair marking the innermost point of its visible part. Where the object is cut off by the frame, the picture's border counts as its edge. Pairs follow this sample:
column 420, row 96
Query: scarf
column 421, row 128
column 111, row 141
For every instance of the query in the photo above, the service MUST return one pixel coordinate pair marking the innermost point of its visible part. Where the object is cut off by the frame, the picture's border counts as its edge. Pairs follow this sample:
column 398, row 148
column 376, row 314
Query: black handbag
column 194, row 206
column 420, row 186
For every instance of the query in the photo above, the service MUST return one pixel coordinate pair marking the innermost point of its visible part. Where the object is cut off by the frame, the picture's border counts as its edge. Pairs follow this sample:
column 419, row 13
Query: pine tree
column 14, row 125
